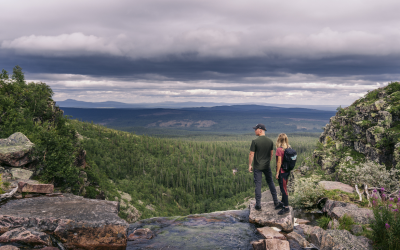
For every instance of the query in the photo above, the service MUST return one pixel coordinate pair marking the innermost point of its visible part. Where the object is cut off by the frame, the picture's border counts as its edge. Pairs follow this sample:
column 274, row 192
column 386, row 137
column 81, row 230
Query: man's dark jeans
column 258, row 180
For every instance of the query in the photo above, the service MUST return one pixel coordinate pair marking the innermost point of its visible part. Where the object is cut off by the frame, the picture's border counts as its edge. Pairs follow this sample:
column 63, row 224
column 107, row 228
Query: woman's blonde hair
column 282, row 141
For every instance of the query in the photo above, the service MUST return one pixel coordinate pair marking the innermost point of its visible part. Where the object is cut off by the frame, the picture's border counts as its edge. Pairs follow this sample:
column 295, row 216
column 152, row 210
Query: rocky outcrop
column 335, row 239
column 268, row 216
column 337, row 209
column 332, row 185
column 141, row 234
column 15, row 150
column 77, row 222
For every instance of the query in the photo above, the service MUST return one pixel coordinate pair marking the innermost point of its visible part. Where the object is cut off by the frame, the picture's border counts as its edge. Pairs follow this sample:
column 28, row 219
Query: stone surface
column 356, row 229
column 336, row 210
column 22, row 174
column 258, row 245
column 331, row 185
column 301, row 221
column 15, row 150
column 298, row 238
column 141, row 234
column 25, row 236
column 48, row 248
column 338, row 239
column 275, row 244
column 78, row 222
column 9, row 247
column 268, row 216
column 35, row 188
column 333, row 224
column 270, row 233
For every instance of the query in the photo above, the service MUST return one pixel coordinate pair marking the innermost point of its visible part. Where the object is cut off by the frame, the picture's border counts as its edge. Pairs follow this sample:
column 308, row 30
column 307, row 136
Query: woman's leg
column 283, row 179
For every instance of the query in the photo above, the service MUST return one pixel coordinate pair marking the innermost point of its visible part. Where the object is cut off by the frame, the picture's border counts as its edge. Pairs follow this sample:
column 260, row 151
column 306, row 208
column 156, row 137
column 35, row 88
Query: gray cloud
column 231, row 51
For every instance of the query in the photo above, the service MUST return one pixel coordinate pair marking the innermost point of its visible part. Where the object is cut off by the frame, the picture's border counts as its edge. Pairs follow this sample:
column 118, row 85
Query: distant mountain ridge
column 71, row 103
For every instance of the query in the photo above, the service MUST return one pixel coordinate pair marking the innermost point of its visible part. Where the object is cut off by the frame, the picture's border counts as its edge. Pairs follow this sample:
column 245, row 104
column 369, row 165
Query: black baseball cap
column 261, row 126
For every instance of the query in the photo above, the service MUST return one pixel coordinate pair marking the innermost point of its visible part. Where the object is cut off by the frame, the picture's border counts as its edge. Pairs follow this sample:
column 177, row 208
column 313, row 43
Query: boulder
column 301, row 221
column 356, row 229
column 141, row 234
column 270, row 233
column 298, row 239
column 35, row 188
column 22, row 174
column 275, row 244
column 339, row 239
column 271, row 244
column 268, row 216
column 331, row 185
column 15, row 150
column 25, row 236
column 76, row 221
column 333, row 224
column 258, row 245
column 337, row 209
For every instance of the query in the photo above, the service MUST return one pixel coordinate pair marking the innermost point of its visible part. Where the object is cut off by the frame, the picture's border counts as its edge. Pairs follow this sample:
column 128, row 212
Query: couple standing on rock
column 262, row 150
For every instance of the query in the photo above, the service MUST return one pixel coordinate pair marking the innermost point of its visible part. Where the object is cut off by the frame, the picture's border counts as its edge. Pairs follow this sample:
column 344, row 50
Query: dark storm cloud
column 317, row 51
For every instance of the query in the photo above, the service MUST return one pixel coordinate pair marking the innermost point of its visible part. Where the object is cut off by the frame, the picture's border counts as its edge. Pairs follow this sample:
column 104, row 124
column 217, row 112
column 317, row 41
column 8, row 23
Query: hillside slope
column 360, row 145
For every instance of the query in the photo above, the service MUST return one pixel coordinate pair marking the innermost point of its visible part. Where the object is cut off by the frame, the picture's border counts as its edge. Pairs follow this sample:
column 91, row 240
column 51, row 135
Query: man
column 262, row 150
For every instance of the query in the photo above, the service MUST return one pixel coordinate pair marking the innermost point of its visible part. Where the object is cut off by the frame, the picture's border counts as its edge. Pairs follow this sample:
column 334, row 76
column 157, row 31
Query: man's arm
column 272, row 154
column 251, row 157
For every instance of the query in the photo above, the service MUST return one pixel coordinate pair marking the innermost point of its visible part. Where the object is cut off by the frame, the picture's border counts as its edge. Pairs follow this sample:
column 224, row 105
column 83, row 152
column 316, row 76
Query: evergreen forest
column 177, row 176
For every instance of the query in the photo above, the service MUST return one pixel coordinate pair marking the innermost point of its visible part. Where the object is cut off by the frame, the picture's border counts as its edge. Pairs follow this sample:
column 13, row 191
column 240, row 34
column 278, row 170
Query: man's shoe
column 284, row 210
column 258, row 208
column 278, row 206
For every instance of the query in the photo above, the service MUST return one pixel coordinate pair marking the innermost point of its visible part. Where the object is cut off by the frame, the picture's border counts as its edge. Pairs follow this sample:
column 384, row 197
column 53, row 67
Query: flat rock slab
column 298, row 239
column 14, row 150
column 268, row 216
column 337, row 209
column 78, row 222
column 271, row 244
column 270, row 233
column 35, row 188
column 332, row 185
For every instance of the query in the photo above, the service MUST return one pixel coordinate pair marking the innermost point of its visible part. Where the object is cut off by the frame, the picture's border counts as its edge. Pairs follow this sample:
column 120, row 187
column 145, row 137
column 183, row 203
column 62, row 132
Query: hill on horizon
column 219, row 119
column 71, row 103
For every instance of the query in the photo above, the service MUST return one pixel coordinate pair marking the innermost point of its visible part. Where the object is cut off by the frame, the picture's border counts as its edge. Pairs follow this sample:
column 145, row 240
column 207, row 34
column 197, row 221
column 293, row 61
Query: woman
column 282, row 143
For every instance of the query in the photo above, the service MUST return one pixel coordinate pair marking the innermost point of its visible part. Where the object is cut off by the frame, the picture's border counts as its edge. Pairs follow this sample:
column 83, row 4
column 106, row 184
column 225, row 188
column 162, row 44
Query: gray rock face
column 15, row 150
column 78, row 222
column 356, row 229
column 268, row 216
column 339, row 240
column 333, row 224
column 273, row 244
column 337, row 209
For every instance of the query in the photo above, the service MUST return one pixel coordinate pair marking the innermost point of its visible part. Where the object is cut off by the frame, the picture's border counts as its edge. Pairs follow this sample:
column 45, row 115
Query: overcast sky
column 233, row 51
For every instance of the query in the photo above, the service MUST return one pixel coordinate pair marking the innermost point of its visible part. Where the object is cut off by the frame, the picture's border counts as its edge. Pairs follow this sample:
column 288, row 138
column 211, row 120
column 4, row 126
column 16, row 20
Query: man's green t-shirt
column 262, row 147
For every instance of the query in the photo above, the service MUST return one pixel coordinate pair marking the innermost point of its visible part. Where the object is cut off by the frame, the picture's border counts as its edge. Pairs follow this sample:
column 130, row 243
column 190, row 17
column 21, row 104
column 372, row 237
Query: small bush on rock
column 307, row 192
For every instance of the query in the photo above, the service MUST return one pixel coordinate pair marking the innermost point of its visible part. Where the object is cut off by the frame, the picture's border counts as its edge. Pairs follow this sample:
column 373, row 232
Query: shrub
column 307, row 192
column 370, row 173
column 323, row 222
column 345, row 222
column 386, row 224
